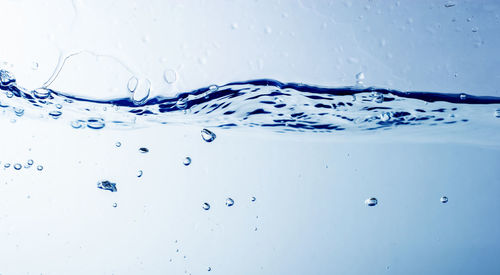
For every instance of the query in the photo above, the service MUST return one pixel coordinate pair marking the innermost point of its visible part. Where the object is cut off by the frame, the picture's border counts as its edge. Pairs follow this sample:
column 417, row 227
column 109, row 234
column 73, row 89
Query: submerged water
column 253, row 177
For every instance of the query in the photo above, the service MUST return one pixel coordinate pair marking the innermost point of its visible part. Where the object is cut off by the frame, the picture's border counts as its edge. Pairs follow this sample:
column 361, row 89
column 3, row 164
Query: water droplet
column 187, row 161
column 359, row 78
column 229, row 202
column 170, row 76
column 95, row 123
column 139, row 173
column 107, row 185
column 371, row 201
column 497, row 113
column 449, row 4
column 206, row 206
column 463, row 96
column 254, row 198
column 115, row 205
column 132, row 84
column 30, row 162
column 18, row 111
column 39, row 168
column 118, row 144
column 143, row 150
column 7, row 165
column 41, row 93
column 77, row 124
column 444, row 199
column 141, row 93
column 6, row 78
column 17, row 166
column 213, row 88
column 55, row 114
column 207, row 135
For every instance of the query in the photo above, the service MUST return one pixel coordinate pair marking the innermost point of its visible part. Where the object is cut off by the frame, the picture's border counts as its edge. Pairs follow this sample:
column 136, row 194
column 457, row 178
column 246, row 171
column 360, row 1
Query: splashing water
column 265, row 104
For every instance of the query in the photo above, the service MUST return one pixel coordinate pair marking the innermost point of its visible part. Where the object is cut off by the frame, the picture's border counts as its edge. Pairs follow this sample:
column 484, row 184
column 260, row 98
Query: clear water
column 216, row 137
column 255, row 177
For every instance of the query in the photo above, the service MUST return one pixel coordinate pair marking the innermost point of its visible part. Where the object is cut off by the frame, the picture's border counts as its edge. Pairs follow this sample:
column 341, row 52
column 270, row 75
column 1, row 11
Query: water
column 341, row 174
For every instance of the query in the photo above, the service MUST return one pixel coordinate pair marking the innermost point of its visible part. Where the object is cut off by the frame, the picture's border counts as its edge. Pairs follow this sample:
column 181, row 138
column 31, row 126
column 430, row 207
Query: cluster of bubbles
column 18, row 166
column 229, row 202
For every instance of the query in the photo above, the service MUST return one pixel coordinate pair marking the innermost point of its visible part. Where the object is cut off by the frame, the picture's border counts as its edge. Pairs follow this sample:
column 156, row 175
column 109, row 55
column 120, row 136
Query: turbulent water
column 260, row 103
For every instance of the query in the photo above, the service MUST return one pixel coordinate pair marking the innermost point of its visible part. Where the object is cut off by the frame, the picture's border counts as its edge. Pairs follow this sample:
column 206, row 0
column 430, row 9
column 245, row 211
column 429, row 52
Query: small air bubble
column 359, row 78
column 132, row 84
column 229, row 202
column 170, row 76
column 444, row 199
column 139, row 173
column 207, row 135
column 475, row 29
column 118, row 144
column 30, row 162
column 181, row 103
column 107, row 185
column 463, row 96
column 143, row 150
column 41, row 93
column 371, row 201
column 497, row 113
column 254, row 198
column 39, row 168
column 187, row 161
column 95, row 123
column 449, row 4
column 141, row 92
column 77, row 124
column 55, row 114
column 206, row 206
column 115, row 205
column 19, row 111
column 7, row 165
column 17, row 166
column 34, row 66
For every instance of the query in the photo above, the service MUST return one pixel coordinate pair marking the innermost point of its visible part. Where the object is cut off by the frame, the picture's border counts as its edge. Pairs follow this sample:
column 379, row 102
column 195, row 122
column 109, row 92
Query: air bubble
column 132, row 84
column 107, row 185
column 7, row 165
column 18, row 111
column 118, row 144
column 497, row 113
column 359, row 78
column 39, row 168
column 17, row 166
column 34, row 66
column 207, row 135
column 30, row 162
column 209, row 269
column 95, row 123
column 77, row 124
column 229, row 202
column 463, row 96
column 139, row 173
column 141, row 93
column 449, row 4
column 55, row 114
column 41, row 93
column 371, row 201
column 115, row 205
column 181, row 103
column 9, row 94
column 170, row 76
column 143, row 150
column 444, row 199
column 254, row 198
column 206, row 206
